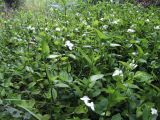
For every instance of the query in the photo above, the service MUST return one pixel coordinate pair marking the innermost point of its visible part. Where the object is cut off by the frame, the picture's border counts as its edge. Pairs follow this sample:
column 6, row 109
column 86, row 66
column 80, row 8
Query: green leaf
column 53, row 56
column 101, row 35
column 49, row 94
column 31, row 85
column 117, row 117
column 126, row 65
column 65, row 76
column 139, row 112
column 1, row 76
column 109, row 90
column 1, row 102
column 27, row 105
column 101, row 106
column 62, row 85
column 50, row 76
column 115, row 98
column 95, row 23
column 140, row 51
column 54, row 93
column 81, row 109
column 72, row 56
column 146, row 113
column 141, row 76
column 30, row 111
column 96, row 92
column 84, row 55
column 96, row 77
column 45, row 48
column 29, row 69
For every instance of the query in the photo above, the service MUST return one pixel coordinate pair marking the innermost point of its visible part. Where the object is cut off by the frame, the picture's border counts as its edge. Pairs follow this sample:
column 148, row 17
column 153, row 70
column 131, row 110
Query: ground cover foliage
column 50, row 59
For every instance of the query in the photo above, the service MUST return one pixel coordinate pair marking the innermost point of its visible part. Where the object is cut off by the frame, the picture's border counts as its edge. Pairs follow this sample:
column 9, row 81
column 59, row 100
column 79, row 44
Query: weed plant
column 77, row 61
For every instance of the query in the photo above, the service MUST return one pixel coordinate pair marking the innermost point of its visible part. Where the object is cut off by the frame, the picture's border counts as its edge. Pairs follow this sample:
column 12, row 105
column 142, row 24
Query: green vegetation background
column 54, row 53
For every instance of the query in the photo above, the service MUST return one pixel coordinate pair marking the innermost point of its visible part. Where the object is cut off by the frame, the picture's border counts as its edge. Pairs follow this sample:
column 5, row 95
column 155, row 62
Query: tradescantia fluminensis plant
column 80, row 62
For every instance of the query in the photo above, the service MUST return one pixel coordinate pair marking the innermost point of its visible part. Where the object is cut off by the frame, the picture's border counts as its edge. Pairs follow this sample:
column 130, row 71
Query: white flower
column 111, row 1
column 157, row 27
column 114, row 45
column 66, row 22
column 85, row 99
column 83, row 35
column 46, row 29
column 115, row 22
column 69, row 45
column 84, row 22
column 102, row 19
column 58, row 29
column 77, row 14
column 76, row 30
column 134, row 53
column 53, row 56
column 87, row 103
column 147, row 20
column 91, row 105
column 31, row 28
column 118, row 72
column 154, row 111
column 132, row 65
column 105, row 27
column 130, row 30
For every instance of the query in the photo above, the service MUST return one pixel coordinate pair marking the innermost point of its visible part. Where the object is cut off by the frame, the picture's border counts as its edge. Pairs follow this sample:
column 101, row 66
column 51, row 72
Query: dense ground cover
column 53, row 60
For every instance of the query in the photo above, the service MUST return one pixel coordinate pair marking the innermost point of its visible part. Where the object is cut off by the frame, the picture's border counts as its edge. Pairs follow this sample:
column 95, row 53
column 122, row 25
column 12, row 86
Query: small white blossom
column 130, row 45
column 31, row 28
column 76, row 30
column 115, row 22
column 86, row 100
column 102, row 19
column 111, row 1
column 114, row 45
column 46, row 29
column 83, row 35
column 58, row 29
column 134, row 53
column 132, row 65
column 69, row 45
column 147, row 20
column 91, row 105
column 66, row 22
column 154, row 111
column 105, row 27
column 157, row 27
column 84, row 22
column 118, row 72
column 81, row 19
column 53, row 56
column 130, row 30
column 77, row 14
